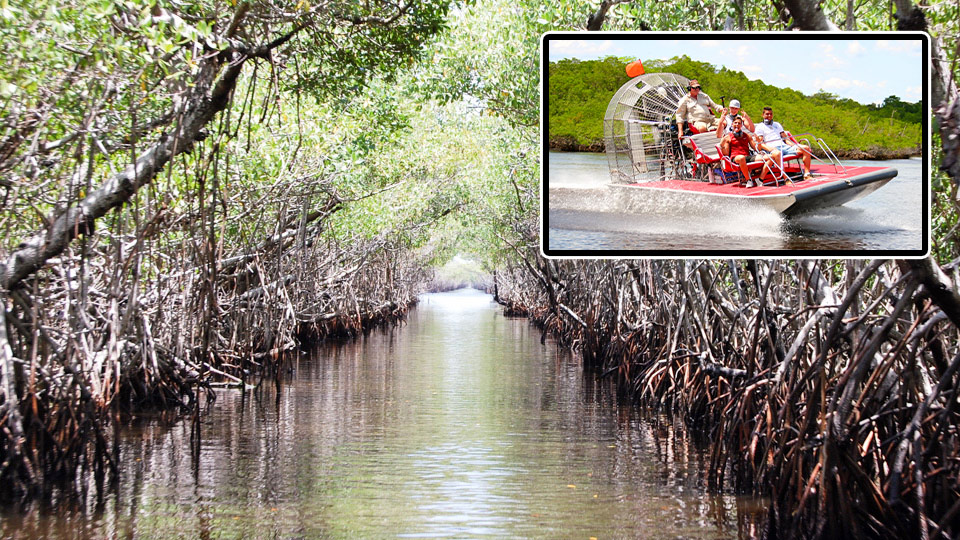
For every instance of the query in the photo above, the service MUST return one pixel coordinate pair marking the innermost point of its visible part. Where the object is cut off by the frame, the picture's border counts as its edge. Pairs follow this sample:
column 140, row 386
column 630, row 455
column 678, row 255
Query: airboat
column 648, row 158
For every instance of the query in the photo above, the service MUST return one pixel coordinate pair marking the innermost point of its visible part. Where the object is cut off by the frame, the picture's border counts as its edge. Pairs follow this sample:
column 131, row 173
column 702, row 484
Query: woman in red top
column 737, row 144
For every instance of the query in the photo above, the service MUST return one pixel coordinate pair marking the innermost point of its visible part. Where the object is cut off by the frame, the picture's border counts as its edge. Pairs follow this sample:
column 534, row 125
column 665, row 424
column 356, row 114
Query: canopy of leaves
column 88, row 86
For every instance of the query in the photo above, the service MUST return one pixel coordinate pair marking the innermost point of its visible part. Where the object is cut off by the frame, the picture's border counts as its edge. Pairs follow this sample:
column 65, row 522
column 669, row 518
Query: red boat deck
column 825, row 174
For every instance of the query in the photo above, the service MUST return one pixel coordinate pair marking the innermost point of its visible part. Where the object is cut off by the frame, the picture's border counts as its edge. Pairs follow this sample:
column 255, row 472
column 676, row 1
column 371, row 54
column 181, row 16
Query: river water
column 459, row 423
column 586, row 215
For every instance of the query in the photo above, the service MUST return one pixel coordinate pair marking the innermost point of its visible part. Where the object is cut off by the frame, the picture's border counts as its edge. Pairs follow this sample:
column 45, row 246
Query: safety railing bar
column 647, row 122
column 814, row 156
column 837, row 166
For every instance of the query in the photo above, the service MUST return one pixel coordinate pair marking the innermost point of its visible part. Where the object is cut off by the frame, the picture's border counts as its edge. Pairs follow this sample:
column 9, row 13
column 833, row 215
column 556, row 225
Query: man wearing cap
column 696, row 108
column 726, row 119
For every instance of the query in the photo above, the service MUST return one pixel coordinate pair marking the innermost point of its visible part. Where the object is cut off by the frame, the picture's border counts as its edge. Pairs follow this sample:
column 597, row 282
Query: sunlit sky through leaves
column 865, row 70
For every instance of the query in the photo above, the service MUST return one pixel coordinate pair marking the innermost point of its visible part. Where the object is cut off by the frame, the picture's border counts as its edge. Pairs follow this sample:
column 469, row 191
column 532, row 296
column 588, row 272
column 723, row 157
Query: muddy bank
column 569, row 144
column 877, row 154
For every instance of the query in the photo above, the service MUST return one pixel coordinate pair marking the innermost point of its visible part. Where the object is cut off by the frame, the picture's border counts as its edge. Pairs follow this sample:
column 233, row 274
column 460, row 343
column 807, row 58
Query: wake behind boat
column 646, row 156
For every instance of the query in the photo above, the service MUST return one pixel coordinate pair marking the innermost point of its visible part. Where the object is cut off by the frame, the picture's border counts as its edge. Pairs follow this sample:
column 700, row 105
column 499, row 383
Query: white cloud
column 579, row 46
column 913, row 93
column 751, row 69
column 827, row 59
column 855, row 48
column 836, row 83
column 709, row 43
column 911, row 46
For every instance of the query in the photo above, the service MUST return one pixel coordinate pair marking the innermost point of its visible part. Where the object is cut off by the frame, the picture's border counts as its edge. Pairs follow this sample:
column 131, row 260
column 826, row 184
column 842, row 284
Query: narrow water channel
column 459, row 423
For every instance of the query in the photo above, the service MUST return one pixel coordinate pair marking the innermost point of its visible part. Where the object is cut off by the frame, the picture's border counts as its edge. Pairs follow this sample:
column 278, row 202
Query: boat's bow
column 864, row 180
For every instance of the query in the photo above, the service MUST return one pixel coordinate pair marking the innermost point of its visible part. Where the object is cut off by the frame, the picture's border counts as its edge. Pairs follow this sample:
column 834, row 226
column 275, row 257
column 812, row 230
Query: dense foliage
column 579, row 92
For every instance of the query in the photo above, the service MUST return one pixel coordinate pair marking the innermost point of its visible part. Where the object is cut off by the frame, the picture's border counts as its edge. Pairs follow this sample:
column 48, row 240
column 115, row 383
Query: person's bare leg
column 783, row 173
column 742, row 162
column 766, row 170
column 772, row 158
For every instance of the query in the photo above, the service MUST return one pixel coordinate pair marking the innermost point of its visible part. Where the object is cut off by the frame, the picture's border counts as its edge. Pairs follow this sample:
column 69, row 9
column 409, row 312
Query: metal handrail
column 837, row 166
column 648, row 122
column 783, row 172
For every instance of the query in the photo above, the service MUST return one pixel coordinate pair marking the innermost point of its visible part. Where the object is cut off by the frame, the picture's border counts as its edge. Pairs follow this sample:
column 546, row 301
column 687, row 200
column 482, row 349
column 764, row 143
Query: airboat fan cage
column 637, row 132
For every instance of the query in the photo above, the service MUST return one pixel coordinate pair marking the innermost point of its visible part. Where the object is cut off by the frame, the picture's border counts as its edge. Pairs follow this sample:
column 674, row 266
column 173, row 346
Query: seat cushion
column 706, row 143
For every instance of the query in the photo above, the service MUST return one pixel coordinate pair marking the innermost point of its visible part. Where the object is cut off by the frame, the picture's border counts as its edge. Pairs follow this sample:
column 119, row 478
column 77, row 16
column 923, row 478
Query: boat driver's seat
column 705, row 153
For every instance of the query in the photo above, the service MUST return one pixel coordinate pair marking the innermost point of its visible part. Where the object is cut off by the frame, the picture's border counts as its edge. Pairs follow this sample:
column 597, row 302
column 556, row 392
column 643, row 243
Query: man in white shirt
column 696, row 108
column 775, row 140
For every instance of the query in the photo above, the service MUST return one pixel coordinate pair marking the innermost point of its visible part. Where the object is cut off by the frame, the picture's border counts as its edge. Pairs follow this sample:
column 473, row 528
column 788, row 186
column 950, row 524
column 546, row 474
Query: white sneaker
column 749, row 183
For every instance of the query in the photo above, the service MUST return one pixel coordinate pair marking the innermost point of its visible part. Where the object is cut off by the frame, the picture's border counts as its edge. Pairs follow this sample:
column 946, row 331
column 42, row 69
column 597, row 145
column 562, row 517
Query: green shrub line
column 580, row 90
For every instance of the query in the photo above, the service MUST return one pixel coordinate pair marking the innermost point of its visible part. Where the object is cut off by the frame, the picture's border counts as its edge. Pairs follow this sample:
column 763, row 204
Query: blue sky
column 865, row 70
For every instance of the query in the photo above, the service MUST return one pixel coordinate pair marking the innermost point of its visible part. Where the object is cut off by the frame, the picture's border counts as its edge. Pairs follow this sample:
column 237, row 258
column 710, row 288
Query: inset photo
column 735, row 144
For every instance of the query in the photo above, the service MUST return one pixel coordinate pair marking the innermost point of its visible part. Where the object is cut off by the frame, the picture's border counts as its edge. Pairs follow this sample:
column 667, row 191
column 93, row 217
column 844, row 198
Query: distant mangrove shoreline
column 565, row 144
column 579, row 93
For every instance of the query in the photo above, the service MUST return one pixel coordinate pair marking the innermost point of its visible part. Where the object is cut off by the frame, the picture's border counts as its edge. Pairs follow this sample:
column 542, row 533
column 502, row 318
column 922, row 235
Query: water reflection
column 460, row 423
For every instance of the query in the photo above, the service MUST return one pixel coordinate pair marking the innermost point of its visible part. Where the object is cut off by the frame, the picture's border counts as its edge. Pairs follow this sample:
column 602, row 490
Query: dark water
column 585, row 214
column 458, row 424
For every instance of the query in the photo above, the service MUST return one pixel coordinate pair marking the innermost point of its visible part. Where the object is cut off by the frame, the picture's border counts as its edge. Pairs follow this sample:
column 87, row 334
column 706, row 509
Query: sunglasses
column 694, row 87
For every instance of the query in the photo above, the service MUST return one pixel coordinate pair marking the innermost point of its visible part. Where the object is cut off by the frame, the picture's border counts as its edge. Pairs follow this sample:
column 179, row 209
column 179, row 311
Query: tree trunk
column 807, row 15
column 208, row 97
column 849, row 24
column 10, row 408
